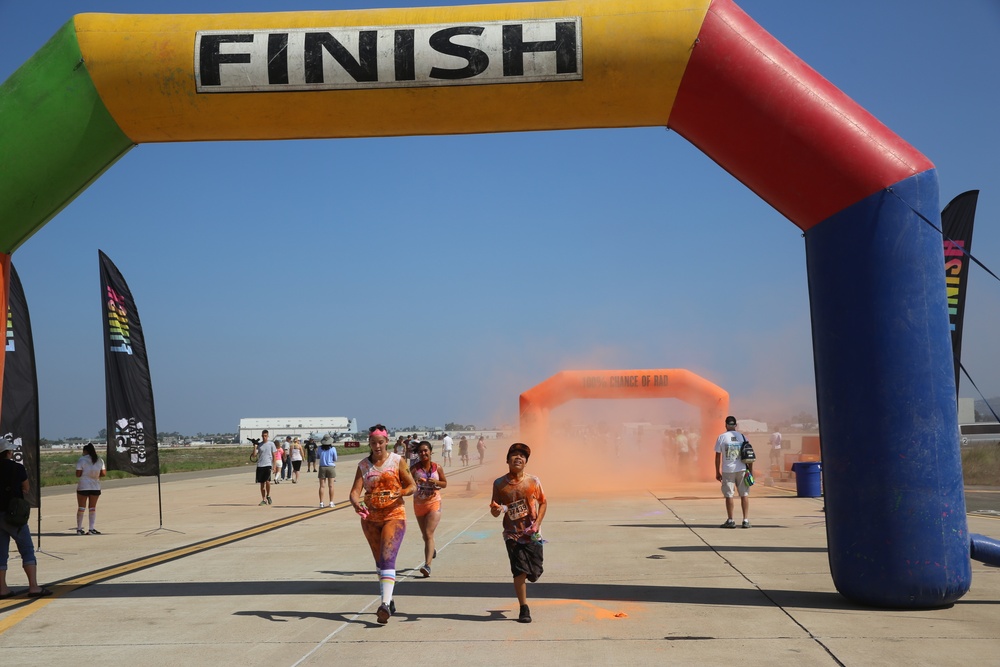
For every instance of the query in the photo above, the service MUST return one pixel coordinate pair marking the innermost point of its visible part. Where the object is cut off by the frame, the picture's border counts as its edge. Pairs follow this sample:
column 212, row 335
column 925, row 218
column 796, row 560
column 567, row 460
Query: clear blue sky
column 432, row 279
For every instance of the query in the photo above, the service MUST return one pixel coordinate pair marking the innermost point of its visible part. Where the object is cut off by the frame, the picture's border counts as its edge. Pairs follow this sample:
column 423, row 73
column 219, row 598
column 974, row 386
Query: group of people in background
column 288, row 457
column 680, row 451
column 271, row 459
column 406, row 446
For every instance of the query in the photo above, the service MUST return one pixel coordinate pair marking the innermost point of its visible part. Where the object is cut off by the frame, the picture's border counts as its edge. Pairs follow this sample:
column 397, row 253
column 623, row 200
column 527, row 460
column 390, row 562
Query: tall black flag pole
column 131, row 418
column 19, row 412
column 957, row 220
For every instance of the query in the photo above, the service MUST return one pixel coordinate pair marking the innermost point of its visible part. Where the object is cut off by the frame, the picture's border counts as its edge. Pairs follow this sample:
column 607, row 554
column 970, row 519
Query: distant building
column 297, row 427
column 966, row 410
column 751, row 426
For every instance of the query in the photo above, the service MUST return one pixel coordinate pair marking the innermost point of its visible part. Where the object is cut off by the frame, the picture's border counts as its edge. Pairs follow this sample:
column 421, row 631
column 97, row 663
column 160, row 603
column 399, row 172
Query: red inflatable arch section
column 711, row 400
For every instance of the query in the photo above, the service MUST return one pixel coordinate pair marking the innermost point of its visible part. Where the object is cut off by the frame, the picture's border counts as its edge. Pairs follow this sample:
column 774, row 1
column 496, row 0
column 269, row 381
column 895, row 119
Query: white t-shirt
column 728, row 444
column 447, row 443
column 776, row 440
column 90, row 479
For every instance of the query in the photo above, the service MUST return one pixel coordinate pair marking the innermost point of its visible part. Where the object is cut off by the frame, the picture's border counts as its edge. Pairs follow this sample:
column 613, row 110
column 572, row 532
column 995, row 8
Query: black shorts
column 93, row 492
column 525, row 559
column 263, row 474
column 296, row 465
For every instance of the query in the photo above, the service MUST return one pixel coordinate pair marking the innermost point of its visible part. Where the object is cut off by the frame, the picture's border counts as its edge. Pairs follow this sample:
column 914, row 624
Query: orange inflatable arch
column 711, row 400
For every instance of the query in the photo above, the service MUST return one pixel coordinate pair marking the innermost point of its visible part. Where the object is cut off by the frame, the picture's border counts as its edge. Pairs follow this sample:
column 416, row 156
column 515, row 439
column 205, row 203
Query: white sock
column 93, row 517
column 386, row 581
column 79, row 517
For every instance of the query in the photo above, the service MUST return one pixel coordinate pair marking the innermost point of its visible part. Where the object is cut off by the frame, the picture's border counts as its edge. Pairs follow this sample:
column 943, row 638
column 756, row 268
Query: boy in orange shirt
column 519, row 497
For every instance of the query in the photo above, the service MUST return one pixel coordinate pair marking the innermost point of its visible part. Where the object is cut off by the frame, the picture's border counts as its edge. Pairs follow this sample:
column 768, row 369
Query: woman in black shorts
column 89, row 469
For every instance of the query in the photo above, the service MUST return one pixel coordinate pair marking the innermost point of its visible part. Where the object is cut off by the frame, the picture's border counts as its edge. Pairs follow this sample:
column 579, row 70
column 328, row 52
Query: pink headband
column 380, row 432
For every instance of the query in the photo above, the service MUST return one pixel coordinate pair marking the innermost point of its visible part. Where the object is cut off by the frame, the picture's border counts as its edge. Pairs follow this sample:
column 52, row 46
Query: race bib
column 379, row 499
column 517, row 510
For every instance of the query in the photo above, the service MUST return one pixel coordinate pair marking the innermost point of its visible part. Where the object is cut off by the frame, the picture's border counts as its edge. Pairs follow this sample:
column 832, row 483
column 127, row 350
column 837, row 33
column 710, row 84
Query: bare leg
column 428, row 524
column 745, row 506
column 521, row 588
column 730, row 506
column 32, row 572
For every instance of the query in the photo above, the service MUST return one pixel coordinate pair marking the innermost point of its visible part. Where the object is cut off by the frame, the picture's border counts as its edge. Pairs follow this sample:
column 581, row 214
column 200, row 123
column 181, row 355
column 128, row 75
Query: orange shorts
column 423, row 509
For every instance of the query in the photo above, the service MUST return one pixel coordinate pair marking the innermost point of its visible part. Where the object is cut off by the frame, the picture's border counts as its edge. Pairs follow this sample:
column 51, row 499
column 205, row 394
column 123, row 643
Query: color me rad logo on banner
column 18, row 449
column 130, row 437
column 10, row 332
column 118, row 323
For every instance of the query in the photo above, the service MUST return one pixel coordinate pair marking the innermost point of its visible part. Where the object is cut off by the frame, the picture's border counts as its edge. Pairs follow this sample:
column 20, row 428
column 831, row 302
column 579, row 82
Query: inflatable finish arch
column 711, row 400
column 886, row 390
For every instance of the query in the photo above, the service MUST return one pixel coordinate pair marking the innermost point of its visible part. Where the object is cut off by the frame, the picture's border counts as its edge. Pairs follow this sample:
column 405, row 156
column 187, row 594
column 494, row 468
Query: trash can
column 807, row 479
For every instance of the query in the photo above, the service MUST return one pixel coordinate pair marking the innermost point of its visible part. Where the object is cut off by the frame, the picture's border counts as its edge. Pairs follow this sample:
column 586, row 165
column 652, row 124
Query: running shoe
column 435, row 554
column 525, row 615
column 392, row 606
column 383, row 613
column 94, row 531
column 746, row 523
column 263, row 502
column 81, row 531
column 269, row 500
column 425, row 570
column 728, row 524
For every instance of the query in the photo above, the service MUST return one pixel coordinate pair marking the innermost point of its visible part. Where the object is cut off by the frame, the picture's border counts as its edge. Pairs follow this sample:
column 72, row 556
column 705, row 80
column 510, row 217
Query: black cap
column 730, row 421
column 519, row 447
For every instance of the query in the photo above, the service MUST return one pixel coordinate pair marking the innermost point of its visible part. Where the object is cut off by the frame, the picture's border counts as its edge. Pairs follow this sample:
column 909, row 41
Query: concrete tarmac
column 632, row 578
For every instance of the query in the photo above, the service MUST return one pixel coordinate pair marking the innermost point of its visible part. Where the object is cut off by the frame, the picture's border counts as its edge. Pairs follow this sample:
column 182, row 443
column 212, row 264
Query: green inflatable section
column 56, row 137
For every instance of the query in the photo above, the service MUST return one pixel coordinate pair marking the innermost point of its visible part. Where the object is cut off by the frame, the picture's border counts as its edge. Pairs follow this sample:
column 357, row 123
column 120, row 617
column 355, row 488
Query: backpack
column 747, row 454
column 18, row 512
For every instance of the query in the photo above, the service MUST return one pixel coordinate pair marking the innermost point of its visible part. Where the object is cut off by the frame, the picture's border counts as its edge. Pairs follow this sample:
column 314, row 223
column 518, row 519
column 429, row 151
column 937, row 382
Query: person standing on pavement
column 481, row 449
column 286, row 459
column 265, row 462
column 311, row 455
column 385, row 479
column 297, row 455
column 412, row 457
column 446, row 446
column 775, row 453
column 732, row 471
column 684, row 466
column 519, row 497
column 14, row 484
column 463, row 450
column 327, row 470
column 90, row 469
